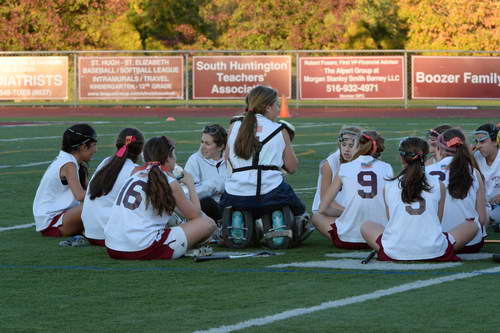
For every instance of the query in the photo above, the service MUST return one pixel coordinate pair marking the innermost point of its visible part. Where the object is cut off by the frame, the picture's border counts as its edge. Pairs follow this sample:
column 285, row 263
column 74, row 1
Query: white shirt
column 363, row 182
column 334, row 162
column 491, row 175
column 244, row 183
column 414, row 231
column 208, row 175
column 96, row 213
column 456, row 210
column 52, row 197
column 133, row 227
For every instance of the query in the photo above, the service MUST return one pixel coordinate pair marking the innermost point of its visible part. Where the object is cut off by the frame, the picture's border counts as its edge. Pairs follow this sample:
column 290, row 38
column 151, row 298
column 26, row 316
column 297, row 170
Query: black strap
column 255, row 161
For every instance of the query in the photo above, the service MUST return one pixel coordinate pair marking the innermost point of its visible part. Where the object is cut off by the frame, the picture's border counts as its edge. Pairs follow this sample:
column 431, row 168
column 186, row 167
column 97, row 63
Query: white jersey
column 208, row 175
column 363, row 182
column 414, row 231
column 334, row 162
column 491, row 175
column 244, row 183
column 456, row 210
column 95, row 213
column 133, row 227
column 52, row 196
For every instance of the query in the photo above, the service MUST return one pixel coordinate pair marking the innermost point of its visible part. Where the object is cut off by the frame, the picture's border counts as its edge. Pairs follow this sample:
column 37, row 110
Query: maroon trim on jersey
column 51, row 231
column 472, row 248
column 157, row 250
column 337, row 242
column 96, row 242
column 449, row 254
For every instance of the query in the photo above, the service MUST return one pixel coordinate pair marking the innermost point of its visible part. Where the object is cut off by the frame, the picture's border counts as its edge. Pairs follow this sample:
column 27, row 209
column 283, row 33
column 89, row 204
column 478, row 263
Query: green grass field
column 47, row 288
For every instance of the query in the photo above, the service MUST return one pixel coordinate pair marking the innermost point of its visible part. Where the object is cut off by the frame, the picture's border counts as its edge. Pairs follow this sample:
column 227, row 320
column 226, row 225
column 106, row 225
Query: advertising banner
column 440, row 77
column 28, row 78
column 232, row 77
column 131, row 77
column 358, row 78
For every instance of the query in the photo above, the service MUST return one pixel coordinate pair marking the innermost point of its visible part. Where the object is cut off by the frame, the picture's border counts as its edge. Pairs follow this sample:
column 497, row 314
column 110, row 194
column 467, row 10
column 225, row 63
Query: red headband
column 374, row 143
column 456, row 141
column 128, row 140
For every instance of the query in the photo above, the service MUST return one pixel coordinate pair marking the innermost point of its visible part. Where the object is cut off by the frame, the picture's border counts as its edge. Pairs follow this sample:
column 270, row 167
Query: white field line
column 347, row 301
column 372, row 266
column 20, row 226
column 27, row 165
column 33, row 138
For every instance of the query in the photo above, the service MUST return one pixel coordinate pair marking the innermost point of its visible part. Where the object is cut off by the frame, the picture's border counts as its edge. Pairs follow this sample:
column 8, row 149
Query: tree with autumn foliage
column 249, row 24
column 375, row 24
column 30, row 25
column 452, row 24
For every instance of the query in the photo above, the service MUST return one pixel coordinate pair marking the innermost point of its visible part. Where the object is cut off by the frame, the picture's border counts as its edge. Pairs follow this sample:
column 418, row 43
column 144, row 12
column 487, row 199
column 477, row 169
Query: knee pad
column 238, row 230
column 278, row 228
column 283, row 230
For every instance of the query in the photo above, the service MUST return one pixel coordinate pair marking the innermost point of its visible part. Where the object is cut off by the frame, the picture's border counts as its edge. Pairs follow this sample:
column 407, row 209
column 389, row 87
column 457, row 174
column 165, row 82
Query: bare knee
column 210, row 224
column 370, row 232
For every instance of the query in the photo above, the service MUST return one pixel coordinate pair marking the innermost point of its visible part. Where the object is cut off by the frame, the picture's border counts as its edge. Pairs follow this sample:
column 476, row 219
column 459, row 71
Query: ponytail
column 129, row 145
column 83, row 174
column 370, row 143
column 246, row 141
column 257, row 101
column 412, row 178
column 461, row 168
column 158, row 192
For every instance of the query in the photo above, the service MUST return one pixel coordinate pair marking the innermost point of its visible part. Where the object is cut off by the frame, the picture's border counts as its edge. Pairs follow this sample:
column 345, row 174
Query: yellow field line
column 304, row 153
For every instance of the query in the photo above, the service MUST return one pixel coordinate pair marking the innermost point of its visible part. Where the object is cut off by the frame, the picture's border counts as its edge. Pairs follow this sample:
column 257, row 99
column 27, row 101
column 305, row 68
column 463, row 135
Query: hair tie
column 374, row 143
column 418, row 155
column 153, row 163
column 128, row 140
column 454, row 142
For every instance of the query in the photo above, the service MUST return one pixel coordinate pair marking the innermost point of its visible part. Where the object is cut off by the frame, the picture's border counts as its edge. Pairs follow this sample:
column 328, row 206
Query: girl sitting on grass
column 415, row 205
column 362, row 179
column 348, row 145
column 137, row 227
column 107, row 181
column 465, row 198
column 57, row 206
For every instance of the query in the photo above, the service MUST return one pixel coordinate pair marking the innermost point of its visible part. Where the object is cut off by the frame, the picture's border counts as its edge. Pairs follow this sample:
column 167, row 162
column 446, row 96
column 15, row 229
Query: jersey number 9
column 367, row 179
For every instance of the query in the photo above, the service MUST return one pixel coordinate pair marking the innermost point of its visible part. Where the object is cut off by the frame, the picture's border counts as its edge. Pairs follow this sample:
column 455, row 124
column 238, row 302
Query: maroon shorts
column 334, row 236
column 51, row 231
column 157, row 250
column 472, row 248
column 96, row 242
column 449, row 254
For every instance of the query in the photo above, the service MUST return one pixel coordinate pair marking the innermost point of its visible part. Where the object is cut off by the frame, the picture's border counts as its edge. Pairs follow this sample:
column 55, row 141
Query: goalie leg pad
column 302, row 229
column 237, row 228
column 278, row 228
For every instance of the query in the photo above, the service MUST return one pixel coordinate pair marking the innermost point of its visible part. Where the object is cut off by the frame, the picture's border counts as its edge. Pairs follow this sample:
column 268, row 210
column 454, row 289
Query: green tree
column 167, row 23
column 277, row 25
column 452, row 24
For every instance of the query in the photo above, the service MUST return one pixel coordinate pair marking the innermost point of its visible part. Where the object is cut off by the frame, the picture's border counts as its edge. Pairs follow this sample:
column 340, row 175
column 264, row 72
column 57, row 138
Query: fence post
column 76, row 99
column 405, row 78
